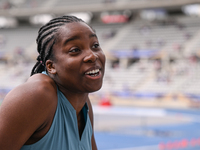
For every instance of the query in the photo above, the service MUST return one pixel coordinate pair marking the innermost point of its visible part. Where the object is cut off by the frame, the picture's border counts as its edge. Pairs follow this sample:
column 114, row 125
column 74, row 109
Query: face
column 80, row 61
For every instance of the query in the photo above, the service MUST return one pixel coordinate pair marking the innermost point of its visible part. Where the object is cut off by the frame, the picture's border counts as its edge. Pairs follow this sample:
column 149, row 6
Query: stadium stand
column 146, row 59
column 152, row 63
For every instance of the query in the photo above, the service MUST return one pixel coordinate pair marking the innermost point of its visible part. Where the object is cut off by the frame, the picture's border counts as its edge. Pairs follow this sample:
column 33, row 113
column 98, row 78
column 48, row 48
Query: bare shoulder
column 38, row 88
column 39, row 93
column 43, row 80
column 26, row 109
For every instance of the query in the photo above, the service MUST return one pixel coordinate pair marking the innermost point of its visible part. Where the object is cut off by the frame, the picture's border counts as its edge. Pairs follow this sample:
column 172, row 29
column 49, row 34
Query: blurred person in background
column 52, row 110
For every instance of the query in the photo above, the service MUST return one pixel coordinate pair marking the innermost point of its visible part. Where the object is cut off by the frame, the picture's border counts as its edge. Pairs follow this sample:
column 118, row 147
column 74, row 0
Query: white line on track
column 150, row 147
column 113, row 110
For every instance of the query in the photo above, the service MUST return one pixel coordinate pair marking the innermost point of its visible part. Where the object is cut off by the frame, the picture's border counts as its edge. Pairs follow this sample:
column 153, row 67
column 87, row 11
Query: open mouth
column 93, row 73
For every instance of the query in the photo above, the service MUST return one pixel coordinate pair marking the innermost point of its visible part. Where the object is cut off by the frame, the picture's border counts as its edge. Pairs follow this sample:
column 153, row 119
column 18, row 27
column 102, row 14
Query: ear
column 50, row 67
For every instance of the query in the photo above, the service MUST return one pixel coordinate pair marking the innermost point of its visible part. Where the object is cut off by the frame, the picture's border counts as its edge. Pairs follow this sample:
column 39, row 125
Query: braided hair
column 47, row 38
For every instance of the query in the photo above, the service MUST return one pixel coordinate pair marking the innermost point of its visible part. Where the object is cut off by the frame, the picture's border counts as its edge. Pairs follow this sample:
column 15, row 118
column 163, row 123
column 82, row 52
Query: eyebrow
column 77, row 37
column 93, row 35
column 71, row 39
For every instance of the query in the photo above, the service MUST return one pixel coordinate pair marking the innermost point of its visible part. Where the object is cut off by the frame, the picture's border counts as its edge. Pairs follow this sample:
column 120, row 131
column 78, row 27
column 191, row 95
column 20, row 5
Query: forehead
column 75, row 28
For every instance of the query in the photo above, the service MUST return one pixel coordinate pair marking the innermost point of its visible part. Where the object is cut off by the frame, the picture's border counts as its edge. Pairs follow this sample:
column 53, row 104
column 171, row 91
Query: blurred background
column 150, row 99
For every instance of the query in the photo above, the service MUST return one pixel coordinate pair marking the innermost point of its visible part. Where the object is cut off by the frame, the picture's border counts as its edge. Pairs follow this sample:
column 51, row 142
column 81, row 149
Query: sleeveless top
column 63, row 133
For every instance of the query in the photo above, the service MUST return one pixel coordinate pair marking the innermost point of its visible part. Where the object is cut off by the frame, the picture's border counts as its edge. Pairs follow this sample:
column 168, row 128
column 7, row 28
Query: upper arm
column 22, row 112
column 91, row 115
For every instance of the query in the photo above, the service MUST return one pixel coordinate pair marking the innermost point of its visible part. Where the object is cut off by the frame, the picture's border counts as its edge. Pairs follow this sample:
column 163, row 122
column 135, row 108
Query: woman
column 52, row 110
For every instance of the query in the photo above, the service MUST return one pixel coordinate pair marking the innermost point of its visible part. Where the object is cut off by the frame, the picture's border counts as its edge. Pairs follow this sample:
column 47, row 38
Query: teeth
column 92, row 71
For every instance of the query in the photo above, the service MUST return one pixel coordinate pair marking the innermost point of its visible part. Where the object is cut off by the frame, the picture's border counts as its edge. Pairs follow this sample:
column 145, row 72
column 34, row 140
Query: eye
column 75, row 50
column 96, row 45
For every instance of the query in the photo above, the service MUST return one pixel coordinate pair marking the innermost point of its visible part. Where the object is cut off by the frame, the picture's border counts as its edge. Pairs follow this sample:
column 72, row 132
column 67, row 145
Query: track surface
column 127, row 128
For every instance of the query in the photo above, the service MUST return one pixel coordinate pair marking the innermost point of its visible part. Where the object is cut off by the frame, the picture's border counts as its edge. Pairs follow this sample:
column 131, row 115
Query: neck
column 77, row 100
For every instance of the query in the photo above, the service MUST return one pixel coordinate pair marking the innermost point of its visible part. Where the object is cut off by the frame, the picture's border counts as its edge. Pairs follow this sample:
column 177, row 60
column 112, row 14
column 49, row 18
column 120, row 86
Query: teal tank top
column 63, row 133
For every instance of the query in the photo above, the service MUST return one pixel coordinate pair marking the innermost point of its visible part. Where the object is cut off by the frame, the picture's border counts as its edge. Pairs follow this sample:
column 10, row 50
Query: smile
column 93, row 73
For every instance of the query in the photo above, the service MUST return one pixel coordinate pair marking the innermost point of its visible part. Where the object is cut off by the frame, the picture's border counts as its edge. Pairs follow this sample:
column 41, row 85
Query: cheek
column 71, row 64
column 102, row 58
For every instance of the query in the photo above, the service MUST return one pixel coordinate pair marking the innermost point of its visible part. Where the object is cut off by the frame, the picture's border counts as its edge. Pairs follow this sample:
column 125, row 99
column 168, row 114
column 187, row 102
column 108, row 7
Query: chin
column 94, row 89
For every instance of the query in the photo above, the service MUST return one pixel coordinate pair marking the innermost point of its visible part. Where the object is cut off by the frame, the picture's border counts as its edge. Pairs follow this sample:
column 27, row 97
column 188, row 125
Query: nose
column 90, row 57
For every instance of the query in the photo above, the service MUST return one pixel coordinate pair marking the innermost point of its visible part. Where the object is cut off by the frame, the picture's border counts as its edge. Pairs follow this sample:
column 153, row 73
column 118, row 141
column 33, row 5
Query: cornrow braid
column 47, row 38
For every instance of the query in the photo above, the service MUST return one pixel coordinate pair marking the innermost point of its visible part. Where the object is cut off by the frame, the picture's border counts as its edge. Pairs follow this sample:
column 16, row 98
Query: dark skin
column 27, row 112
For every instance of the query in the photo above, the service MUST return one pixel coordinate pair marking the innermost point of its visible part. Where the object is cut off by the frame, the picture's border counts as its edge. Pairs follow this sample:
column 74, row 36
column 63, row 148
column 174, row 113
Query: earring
column 53, row 71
